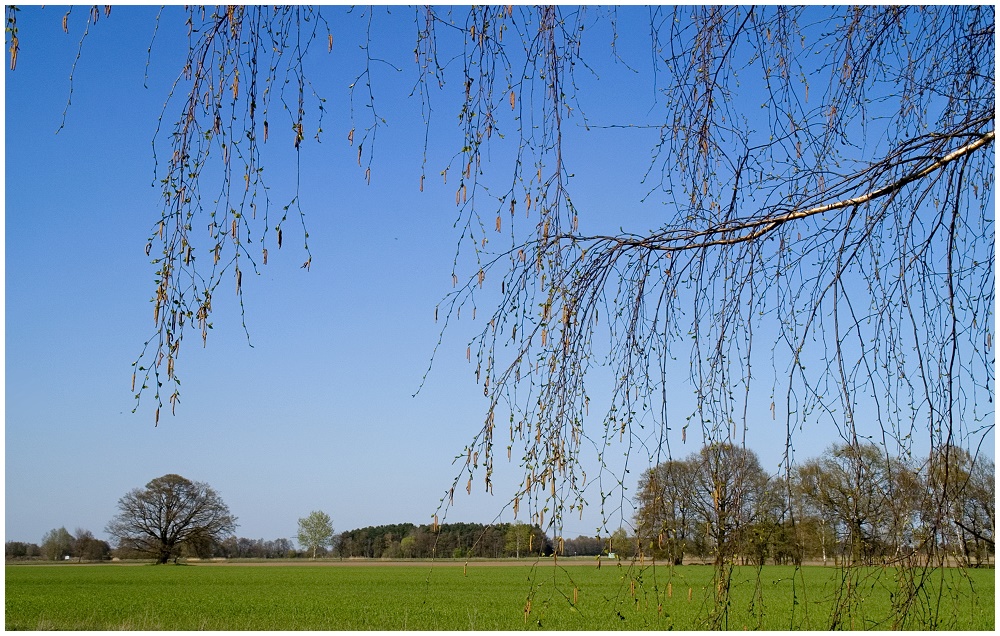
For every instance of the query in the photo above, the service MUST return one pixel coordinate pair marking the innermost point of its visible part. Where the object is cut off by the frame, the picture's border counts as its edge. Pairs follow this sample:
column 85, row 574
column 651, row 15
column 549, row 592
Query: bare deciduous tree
column 167, row 514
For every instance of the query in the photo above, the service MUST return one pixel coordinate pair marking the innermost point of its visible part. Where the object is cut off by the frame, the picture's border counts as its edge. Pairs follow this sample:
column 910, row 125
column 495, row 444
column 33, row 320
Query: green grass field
column 448, row 596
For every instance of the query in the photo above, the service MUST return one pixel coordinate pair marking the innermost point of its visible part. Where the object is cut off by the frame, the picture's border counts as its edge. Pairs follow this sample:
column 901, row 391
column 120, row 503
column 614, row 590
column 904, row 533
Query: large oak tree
column 168, row 513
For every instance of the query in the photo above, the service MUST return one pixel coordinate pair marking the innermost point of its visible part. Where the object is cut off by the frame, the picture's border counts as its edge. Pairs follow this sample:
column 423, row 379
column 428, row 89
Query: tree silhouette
column 168, row 513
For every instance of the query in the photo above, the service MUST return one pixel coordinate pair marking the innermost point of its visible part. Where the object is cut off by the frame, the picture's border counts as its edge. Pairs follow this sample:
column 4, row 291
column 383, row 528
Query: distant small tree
column 57, row 544
column 518, row 540
column 315, row 531
column 665, row 514
column 622, row 544
column 407, row 546
column 87, row 547
column 168, row 514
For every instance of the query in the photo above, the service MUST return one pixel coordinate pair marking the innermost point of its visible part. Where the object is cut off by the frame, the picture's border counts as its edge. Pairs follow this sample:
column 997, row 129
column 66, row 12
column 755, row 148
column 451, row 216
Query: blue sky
column 319, row 413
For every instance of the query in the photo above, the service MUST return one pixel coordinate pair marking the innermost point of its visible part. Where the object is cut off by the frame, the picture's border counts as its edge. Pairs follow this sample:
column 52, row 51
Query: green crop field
column 449, row 596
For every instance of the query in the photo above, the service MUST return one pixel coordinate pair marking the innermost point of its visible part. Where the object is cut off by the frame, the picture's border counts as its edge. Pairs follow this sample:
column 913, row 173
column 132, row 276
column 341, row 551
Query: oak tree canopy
column 168, row 514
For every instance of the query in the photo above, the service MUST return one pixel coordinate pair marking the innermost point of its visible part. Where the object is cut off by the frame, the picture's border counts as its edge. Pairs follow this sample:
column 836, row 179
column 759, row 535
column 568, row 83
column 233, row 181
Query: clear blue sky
column 319, row 413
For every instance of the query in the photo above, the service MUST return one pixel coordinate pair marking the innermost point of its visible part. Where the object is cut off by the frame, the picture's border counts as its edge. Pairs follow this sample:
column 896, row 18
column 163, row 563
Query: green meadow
column 480, row 596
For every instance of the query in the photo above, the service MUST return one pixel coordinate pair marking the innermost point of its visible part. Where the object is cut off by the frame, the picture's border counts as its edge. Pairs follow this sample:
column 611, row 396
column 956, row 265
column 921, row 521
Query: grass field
column 448, row 596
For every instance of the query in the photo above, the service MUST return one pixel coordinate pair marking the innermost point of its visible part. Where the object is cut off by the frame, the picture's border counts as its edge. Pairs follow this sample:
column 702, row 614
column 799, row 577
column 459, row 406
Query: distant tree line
column 448, row 540
column 396, row 541
column 59, row 545
column 229, row 548
column 243, row 548
column 853, row 505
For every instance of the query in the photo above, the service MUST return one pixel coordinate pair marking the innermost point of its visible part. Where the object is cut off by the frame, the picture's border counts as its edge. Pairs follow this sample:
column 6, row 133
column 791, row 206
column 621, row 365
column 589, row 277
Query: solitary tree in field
column 824, row 245
column 87, row 546
column 315, row 531
column 57, row 544
column 166, row 514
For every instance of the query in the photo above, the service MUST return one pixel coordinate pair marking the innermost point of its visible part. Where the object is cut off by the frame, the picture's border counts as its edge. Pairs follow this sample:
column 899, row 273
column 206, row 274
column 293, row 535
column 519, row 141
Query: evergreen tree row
column 449, row 540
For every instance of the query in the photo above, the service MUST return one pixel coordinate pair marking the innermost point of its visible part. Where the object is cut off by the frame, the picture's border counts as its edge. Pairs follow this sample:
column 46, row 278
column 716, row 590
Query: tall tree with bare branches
column 168, row 513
